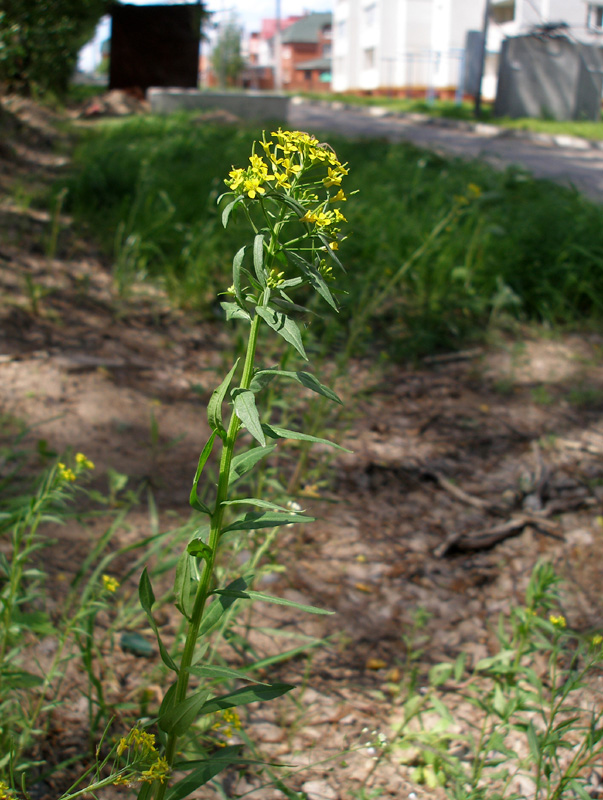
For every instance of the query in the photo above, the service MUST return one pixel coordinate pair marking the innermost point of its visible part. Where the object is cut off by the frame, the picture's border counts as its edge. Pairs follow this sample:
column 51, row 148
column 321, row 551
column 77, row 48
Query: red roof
column 269, row 26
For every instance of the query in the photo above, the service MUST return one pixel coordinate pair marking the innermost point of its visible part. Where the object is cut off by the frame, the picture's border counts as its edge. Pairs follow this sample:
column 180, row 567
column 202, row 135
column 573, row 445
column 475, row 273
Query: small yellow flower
column 5, row 792
column 473, row 190
column 158, row 771
column 83, row 462
column 597, row 639
column 253, row 186
column 334, row 245
column 65, row 473
column 110, row 584
column 558, row 620
column 340, row 196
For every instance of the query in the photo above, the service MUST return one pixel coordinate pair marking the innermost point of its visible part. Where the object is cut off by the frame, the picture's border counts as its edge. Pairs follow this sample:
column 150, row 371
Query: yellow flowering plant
column 290, row 194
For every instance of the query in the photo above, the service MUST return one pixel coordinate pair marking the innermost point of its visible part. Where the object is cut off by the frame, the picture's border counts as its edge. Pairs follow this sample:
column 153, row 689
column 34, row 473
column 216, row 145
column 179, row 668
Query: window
column 326, row 50
column 594, row 17
column 369, row 58
column 503, row 12
column 370, row 15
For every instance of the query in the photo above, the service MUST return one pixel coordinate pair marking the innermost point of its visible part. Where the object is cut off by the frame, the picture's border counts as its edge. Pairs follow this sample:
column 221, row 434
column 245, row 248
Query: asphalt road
column 569, row 161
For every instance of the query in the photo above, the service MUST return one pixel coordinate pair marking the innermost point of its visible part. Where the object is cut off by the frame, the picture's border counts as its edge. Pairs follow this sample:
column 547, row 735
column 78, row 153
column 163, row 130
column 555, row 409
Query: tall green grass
column 514, row 247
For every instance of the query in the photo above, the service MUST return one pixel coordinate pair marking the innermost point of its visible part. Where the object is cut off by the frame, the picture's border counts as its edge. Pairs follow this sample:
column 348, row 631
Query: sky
column 249, row 14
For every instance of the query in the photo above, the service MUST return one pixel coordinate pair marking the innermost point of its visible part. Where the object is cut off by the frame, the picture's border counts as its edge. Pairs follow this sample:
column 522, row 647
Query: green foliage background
column 40, row 41
column 519, row 248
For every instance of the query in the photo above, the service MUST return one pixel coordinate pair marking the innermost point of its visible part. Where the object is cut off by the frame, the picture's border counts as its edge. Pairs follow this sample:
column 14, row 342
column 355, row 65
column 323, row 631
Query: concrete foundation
column 247, row 105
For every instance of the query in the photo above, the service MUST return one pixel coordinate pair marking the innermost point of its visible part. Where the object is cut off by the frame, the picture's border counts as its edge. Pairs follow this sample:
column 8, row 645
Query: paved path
column 564, row 159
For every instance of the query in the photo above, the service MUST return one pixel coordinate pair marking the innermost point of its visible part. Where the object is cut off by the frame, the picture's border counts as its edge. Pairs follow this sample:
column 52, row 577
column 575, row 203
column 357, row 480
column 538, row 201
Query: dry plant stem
column 204, row 587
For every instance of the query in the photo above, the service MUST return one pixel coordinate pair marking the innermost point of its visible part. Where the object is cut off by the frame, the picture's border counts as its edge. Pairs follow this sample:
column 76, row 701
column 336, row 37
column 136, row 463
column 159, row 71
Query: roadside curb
column 562, row 141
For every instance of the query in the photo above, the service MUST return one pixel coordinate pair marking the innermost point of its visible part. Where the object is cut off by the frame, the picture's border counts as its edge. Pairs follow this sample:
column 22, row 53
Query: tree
column 40, row 41
column 226, row 58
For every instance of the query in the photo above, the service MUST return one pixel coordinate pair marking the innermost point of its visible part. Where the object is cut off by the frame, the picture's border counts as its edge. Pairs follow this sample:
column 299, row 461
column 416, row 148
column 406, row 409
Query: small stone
column 267, row 732
column 319, row 790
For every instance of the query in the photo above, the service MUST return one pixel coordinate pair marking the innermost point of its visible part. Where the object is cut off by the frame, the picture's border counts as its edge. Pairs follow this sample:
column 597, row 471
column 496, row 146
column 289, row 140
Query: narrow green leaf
column 315, row 279
column 288, row 305
column 244, row 462
column 284, row 326
column 263, row 377
column 19, row 679
column 223, row 673
column 533, row 741
column 254, row 520
column 237, row 264
column 177, row 720
column 246, row 411
column 204, row 773
column 283, row 433
column 248, row 594
column 234, row 311
column 184, row 585
column 248, row 694
column 578, row 787
column 219, row 606
column 214, row 407
column 147, row 598
column 194, row 500
column 254, row 501
column 258, row 259
column 228, row 211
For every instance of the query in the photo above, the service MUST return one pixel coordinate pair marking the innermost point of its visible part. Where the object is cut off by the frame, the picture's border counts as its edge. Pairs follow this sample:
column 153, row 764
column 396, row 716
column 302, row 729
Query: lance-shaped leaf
column 229, row 209
column 249, row 594
column 184, row 584
column 246, row 411
column 220, row 605
column 147, row 598
column 244, row 462
column 194, row 499
column 263, row 377
column 214, row 407
column 203, row 773
column 275, row 432
column 315, row 279
column 237, row 264
column 248, row 694
column 254, row 520
column 234, row 311
column 222, row 674
column 255, row 501
column 258, row 259
column 284, row 326
column 180, row 717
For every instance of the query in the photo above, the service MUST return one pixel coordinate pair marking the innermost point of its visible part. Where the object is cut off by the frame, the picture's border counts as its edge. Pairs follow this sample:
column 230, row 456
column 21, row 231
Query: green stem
column 204, row 587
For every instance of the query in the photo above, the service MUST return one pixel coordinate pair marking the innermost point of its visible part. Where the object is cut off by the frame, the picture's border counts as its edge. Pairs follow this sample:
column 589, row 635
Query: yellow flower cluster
column 110, row 584
column 141, row 751
column 229, row 723
column 83, row 462
column 288, row 158
column 65, row 473
column 558, row 620
column 5, row 792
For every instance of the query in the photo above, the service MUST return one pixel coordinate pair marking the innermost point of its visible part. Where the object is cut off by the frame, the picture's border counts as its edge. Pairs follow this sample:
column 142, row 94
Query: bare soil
column 464, row 473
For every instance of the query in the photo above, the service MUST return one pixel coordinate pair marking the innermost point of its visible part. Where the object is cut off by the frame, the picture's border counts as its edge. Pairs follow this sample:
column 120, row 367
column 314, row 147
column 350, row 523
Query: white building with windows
column 420, row 44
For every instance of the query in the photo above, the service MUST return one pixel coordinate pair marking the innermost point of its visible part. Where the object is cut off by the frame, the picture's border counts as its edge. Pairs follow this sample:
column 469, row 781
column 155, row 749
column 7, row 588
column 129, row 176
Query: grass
column 514, row 247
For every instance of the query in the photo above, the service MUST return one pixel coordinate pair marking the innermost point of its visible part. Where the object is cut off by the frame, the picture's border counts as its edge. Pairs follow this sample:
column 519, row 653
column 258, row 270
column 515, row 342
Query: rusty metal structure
column 155, row 46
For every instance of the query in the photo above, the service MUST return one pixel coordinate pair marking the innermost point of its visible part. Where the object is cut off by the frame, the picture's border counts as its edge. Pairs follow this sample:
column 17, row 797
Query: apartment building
column 419, row 45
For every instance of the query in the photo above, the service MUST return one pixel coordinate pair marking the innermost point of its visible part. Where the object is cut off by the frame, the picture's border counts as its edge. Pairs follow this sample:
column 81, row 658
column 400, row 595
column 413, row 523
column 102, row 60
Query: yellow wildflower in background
column 5, row 792
column 82, row 461
column 558, row 620
column 110, row 584
column 65, row 473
